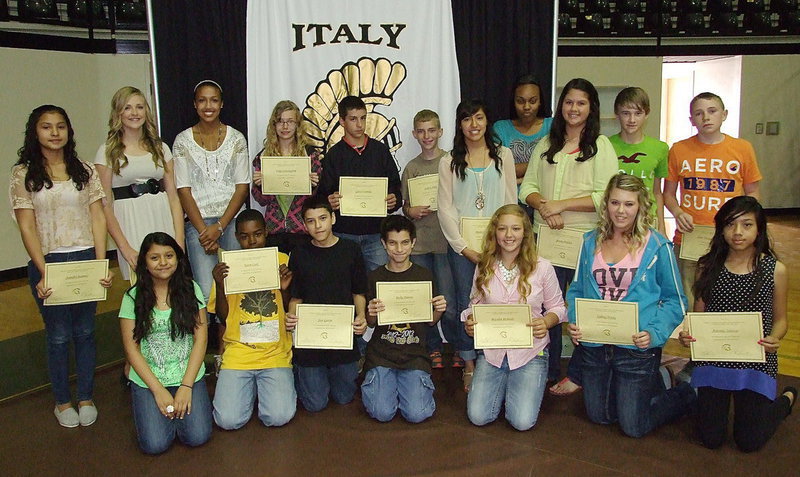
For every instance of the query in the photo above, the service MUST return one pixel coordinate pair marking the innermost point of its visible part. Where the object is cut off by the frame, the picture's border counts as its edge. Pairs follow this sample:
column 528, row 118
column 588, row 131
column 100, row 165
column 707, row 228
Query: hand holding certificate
column 405, row 302
column 422, row 191
column 251, row 270
column 473, row 229
column 562, row 247
column 289, row 175
column 726, row 336
column 324, row 326
column 696, row 243
column 363, row 196
column 607, row 322
column 75, row 282
column 502, row 326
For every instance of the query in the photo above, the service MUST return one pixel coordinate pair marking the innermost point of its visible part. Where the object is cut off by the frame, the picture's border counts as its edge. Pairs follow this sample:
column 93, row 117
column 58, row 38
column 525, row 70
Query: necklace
column 480, row 198
column 508, row 274
column 206, row 151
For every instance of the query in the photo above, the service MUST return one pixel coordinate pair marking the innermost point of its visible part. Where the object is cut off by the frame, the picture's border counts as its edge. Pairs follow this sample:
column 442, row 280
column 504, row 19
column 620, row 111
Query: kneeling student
column 327, row 271
column 397, row 362
column 257, row 360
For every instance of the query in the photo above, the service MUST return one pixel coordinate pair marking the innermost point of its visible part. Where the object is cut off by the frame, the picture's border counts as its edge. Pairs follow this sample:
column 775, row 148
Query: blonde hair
column 644, row 220
column 115, row 149
column 300, row 136
column 526, row 260
column 427, row 115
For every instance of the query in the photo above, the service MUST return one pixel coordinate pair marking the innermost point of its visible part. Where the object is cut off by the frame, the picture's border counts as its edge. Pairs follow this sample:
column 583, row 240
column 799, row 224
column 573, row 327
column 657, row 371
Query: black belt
column 152, row 186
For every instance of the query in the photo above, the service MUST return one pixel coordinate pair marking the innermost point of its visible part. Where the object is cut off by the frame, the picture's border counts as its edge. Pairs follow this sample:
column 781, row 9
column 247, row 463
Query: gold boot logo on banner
column 375, row 81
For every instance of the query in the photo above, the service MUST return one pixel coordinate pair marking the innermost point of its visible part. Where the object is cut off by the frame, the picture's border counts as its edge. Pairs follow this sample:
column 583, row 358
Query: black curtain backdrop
column 197, row 40
column 496, row 42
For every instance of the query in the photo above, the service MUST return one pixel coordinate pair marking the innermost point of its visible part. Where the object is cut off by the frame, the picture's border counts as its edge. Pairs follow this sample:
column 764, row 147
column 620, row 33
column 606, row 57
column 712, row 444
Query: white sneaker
column 87, row 415
column 68, row 417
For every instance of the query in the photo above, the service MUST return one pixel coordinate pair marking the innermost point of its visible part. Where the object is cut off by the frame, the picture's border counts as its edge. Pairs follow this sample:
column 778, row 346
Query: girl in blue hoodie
column 625, row 259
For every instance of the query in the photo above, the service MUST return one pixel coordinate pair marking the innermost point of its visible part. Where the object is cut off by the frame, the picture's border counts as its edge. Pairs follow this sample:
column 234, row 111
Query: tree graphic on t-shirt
column 261, row 303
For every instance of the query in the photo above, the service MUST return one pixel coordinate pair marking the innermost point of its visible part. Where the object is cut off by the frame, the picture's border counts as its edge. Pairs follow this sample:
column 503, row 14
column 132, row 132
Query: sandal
column 565, row 387
column 466, row 377
column 436, row 360
column 458, row 361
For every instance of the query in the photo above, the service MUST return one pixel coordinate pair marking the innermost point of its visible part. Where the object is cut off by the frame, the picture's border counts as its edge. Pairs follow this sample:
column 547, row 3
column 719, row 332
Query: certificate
column 405, row 302
column 75, row 282
column 473, row 229
column 286, row 175
column 251, row 270
column 696, row 243
column 324, row 326
column 607, row 322
column 561, row 247
column 502, row 326
column 422, row 190
column 363, row 196
column 726, row 336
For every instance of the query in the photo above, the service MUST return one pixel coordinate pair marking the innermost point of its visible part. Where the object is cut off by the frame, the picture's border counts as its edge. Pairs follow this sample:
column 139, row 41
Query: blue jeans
column 315, row 384
column 463, row 271
column 439, row 265
column 156, row 432
column 203, row 263
column 385, row 390
column 564, row 276
column 65, row 323
column 522, row 391
column 371, row 248
column 236, row 393
column 623, row 385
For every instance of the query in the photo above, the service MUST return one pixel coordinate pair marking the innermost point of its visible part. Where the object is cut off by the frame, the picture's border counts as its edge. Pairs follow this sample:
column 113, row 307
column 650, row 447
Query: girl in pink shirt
column 510, row 272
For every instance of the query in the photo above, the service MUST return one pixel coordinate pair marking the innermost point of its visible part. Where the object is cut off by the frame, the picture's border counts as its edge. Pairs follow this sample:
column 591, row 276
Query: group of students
column 528, row 172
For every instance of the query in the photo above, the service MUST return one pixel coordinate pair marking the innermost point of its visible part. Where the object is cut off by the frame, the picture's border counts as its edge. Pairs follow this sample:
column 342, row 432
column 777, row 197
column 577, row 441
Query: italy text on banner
column 398, row 57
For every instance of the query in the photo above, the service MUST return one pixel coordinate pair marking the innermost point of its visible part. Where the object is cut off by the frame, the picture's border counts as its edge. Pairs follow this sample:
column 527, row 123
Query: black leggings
column 755, row 417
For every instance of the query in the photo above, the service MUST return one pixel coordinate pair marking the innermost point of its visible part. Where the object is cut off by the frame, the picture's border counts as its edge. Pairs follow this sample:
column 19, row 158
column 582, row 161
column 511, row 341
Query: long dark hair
column 710, row 265
column 591, row 130
column 465, row 109
column 30, row 154
column 544, row 105
column 182, row 300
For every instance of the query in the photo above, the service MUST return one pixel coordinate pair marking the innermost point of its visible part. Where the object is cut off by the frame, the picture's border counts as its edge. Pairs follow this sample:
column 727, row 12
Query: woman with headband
column 212, row 174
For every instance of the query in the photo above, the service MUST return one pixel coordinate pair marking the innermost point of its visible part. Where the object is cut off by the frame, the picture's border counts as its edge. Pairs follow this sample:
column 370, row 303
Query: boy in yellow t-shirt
column 257, row 361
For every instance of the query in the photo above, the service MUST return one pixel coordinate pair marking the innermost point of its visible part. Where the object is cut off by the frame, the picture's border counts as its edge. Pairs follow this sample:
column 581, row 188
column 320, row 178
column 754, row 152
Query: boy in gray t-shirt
column 431, row 246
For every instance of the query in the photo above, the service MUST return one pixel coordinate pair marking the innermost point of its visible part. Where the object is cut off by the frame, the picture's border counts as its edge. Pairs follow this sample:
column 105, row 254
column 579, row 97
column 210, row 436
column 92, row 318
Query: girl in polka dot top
column 741, row 274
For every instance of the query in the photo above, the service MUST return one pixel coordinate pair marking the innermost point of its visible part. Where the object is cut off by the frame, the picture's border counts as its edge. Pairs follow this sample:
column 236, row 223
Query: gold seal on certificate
column 561, row 247
column 289, row 175
column 405, row 302
column 696, row 243
column 726, row 336
column 607, row 322
column 324, row 326
column 422, row 191
column 251, row 270
column 363, row 196
column 75, row 282
column 473, row 229
column 502, row 326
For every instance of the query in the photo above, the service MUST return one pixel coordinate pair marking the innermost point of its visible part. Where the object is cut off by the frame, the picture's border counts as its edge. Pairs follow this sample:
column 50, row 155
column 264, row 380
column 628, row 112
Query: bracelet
column 221, row 228
column 185, row 385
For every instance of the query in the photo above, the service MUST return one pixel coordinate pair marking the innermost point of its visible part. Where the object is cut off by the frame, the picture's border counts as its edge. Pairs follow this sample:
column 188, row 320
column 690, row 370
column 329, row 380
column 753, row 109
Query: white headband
column 208, row 81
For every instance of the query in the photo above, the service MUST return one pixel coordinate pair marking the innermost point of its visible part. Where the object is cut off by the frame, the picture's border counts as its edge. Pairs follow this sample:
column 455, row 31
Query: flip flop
column 561, row 383
column 466, row 377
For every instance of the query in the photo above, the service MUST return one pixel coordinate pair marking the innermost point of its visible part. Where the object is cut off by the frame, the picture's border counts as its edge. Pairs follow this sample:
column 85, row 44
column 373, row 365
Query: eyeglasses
column 285, row 122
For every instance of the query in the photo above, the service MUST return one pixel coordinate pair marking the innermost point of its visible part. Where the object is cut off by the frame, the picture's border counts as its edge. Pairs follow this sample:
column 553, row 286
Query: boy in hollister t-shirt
column 712, row 168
